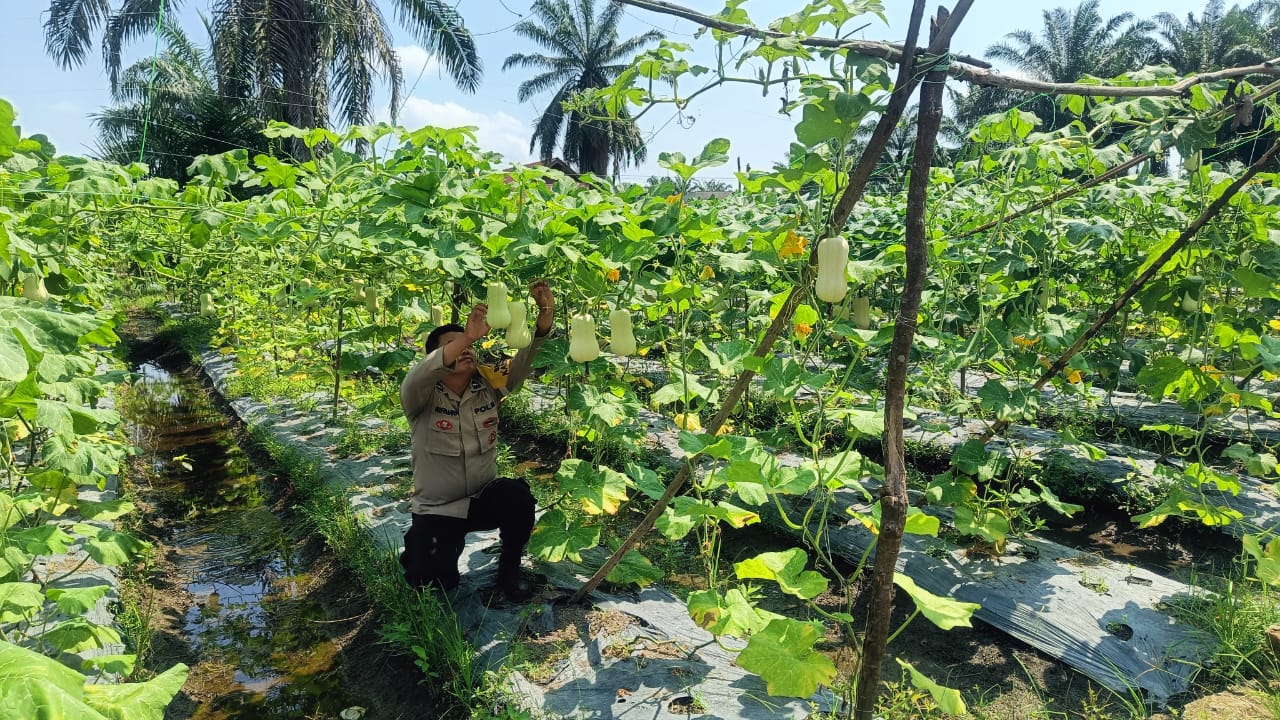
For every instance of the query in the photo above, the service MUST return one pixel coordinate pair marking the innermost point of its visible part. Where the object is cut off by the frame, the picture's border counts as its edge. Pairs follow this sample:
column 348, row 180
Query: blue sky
column 57, row 102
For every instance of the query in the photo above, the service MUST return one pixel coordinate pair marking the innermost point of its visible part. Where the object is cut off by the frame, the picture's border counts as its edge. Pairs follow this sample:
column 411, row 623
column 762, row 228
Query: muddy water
column 259, row 643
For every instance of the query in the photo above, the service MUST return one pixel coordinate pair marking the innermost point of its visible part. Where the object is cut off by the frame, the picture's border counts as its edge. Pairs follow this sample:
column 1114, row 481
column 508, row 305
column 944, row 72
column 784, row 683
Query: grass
column 1237, row 612
column 420, row 624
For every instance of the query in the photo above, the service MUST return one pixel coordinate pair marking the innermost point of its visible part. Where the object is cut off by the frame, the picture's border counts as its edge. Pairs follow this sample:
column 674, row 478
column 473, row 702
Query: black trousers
column 434, row 542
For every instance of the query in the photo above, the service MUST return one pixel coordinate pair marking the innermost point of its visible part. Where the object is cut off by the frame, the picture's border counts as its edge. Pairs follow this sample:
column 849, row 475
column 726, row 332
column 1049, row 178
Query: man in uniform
column 453, row 411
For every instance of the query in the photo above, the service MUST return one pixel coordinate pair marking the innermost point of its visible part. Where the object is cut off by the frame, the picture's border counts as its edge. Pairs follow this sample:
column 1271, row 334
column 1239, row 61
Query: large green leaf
column 54, row 330
column 597, row 489
column 109, row 547
column 19, row 601
column 78, row 601
column 634, row 568
column 941, row 611
column 785, row 568
column 783, row 655
column 137, row 701
column 555, row 538
column 731, row 613
column 78, row 634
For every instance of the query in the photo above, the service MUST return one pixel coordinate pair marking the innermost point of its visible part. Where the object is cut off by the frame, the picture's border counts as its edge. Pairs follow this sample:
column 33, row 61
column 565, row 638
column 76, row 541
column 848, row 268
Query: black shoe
column 520, row 586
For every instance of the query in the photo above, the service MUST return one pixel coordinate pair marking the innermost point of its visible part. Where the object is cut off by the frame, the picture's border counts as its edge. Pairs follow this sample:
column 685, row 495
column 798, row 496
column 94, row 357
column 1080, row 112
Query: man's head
column 465, row 364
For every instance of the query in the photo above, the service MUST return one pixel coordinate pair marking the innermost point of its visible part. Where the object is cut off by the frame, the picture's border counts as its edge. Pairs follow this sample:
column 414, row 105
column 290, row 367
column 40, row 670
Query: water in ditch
column 259, row 644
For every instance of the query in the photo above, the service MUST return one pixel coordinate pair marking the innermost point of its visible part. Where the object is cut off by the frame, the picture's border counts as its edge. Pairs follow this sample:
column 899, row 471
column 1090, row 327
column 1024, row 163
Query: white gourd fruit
column 206, row 304
column 437, row 315
column 862, row 312
column 582, row 339
column 33, row 288
column 622, row 339
column 1189, row 303
column 833, row 258
column 499, row 315
column 519, row 336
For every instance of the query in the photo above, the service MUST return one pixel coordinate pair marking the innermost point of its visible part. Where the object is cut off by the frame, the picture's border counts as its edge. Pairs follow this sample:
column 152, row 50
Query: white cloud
column 415, row 60
column 497, row 131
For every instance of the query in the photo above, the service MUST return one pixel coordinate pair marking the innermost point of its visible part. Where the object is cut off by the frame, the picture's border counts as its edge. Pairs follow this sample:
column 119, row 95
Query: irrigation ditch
column 238, row 585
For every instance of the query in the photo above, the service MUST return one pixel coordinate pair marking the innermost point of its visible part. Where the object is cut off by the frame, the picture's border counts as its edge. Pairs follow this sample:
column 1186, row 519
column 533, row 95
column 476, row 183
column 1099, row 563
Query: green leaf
column 555, row 538
column 941, row 611
column 948, row 700
column 597, row 489
column 116, row 664
column 785, row 568
column 107, row 546
column 43, row 540
column 634, row 568
column 646, row 480
column 19, row 601
column 783, row 655
column 78, row 634
column 137, row 701
column 78, row 601
column 1255, row 284
column 835, row 117
column 729, row 614
column 989, row 524
column 1015, row 405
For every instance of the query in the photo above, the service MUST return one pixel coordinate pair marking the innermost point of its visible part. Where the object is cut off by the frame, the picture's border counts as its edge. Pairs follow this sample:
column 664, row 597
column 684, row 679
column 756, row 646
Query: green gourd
column 33, row 288
column 519, row 336
column 622, row 340
column 499, row 315
column 862, row 312
column 582, row 339
column 833, row 257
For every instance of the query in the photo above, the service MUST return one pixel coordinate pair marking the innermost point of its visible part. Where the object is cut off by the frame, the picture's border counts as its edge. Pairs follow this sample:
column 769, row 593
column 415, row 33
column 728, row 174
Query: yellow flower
column 1274, row 324
column 1233, row 398
column 793, row 246
column 725, row 429
column 671, row 199
column 1211, row 371
column 803, row 330
column 707, row 273
column 1024, row 343
column 1074, row 377
column 1269, row 376
column 613, row 275
column 688, row 421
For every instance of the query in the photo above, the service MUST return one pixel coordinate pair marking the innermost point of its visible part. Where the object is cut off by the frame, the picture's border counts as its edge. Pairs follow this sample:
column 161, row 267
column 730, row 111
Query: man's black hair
column 433, row 339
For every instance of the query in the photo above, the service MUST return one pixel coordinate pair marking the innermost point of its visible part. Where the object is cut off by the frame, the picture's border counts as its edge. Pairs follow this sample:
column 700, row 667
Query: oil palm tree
column 1217, row 39
column 296, row 58
column 1072, row 44
column 584, row 53
column 169, row 113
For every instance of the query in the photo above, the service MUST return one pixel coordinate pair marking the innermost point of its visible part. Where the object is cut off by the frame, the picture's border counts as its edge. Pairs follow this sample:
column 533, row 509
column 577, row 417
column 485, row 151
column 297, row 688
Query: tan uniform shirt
column 454, row 437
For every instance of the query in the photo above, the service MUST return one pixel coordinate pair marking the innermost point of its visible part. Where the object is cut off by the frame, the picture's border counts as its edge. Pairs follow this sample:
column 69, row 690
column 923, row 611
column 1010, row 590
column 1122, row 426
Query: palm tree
column 1215, row 40
column 1071, row 45
column 169, row 113
column 584, row 54
column 297, row 58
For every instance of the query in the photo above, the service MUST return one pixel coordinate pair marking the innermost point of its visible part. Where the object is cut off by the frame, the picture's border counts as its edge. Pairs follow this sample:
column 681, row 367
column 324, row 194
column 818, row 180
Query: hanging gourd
column 519, row 336
column 371, row 300
column 437, row 315
column 862, row 312
column 33, row 288
column 833, row 258
column 206, row 304
column 1189, row 303
column 308, row 299
column 499, row 315
column 582, row 339
column 622, row 340
column 357, row 288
